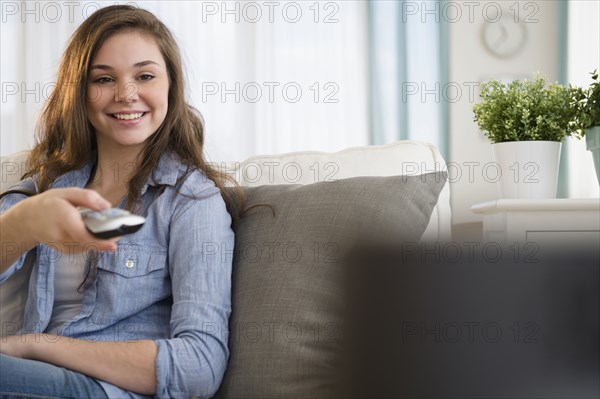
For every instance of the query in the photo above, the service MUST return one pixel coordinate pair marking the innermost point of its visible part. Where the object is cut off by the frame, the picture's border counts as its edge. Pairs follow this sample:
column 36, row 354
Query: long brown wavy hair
column 65, row 136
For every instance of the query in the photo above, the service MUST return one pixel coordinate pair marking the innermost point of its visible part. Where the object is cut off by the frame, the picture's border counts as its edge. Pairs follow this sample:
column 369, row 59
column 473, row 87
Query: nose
column 127, row 92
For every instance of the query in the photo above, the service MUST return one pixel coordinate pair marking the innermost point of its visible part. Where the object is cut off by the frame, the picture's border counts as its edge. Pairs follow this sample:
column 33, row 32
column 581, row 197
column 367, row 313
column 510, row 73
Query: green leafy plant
column 528, row 110
column 589, row 101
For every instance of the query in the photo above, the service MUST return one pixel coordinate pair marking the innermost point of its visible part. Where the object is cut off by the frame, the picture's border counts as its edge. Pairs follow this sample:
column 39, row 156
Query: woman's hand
column 51, row 218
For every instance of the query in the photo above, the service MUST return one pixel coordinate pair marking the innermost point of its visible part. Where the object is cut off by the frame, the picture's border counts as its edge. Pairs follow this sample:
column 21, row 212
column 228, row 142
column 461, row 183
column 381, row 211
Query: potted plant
column 526, row 121
column 590, row 119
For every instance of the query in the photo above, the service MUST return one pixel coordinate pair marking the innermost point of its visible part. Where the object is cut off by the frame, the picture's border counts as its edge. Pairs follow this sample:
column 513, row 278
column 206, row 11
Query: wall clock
column 504, row 38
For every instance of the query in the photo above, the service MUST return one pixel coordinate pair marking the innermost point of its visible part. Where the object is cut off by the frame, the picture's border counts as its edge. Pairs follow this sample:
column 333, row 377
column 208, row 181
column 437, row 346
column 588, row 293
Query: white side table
column 564, row 221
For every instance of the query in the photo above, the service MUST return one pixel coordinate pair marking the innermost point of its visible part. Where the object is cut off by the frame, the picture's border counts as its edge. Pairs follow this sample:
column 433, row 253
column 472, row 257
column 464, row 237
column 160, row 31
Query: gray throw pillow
column 287, row 303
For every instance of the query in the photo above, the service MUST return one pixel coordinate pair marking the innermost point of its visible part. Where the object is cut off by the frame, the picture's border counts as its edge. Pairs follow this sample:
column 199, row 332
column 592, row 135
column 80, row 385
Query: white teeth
column 127, row 117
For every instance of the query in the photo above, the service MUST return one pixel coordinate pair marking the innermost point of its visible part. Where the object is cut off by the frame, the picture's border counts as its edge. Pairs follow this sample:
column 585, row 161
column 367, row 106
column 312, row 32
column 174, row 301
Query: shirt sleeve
column 8, row 201
column 193, row 361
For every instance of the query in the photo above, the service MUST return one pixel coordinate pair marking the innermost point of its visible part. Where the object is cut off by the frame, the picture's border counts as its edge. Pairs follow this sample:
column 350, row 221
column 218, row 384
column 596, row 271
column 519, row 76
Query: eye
column 103, row 80
column 146, row 77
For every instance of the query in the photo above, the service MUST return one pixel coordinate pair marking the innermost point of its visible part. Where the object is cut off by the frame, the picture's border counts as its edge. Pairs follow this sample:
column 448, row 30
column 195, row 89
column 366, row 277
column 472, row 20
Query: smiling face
column 128, row 87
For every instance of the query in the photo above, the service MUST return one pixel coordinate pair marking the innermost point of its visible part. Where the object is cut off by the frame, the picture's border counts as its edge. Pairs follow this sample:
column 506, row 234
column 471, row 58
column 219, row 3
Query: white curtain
column 408, row 72
column 269, row 77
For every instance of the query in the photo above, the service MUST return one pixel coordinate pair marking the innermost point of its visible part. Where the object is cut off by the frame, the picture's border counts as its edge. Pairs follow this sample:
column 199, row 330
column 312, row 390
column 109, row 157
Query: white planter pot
column 592, row 139
column 527, row 169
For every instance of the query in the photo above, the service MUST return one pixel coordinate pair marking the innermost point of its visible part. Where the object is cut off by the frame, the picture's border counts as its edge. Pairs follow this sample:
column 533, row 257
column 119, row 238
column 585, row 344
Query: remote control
column 111, row 222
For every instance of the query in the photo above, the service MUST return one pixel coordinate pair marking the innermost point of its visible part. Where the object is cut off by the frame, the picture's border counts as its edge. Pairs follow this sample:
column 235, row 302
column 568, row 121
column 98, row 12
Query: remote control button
column 94, row 215
column 114, row 212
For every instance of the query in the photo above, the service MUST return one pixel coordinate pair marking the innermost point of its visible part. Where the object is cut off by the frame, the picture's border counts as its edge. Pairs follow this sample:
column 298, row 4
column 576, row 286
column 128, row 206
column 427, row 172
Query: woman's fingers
column 53, row 219
column 81, row 197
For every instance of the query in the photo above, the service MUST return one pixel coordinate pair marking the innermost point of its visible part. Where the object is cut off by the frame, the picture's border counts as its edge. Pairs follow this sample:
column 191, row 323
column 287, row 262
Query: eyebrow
column 136, row 65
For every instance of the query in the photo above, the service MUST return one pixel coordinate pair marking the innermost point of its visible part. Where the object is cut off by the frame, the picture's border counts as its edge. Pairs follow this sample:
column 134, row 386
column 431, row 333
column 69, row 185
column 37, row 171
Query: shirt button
column 129, row 264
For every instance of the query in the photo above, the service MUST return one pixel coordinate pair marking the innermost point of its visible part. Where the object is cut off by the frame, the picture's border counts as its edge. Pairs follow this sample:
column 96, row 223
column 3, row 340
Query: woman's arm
column 129, row 365
column 50, row 218
column 193, row 361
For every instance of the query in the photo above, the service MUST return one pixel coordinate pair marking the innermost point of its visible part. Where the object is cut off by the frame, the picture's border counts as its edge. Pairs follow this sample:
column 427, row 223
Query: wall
column 471, row 168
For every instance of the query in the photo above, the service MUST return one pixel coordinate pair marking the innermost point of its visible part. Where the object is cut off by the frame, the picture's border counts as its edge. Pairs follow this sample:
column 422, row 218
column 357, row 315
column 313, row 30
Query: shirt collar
column 167, row 172
column 75, row 178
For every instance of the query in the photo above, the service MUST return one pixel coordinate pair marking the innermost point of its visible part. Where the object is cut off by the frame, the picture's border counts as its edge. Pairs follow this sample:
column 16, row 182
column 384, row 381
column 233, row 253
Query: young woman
column 147, row 315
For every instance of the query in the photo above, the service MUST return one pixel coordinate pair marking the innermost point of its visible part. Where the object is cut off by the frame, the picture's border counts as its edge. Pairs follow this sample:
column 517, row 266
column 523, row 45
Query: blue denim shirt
column 169, row 282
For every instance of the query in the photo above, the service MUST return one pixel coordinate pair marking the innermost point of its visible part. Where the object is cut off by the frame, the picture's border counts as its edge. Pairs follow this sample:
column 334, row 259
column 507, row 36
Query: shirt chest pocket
column 130, row 280
column 132, row 260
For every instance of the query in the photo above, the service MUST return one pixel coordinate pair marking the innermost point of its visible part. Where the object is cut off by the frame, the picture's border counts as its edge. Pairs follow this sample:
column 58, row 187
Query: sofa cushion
column 404, row 157
column 287, row 302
